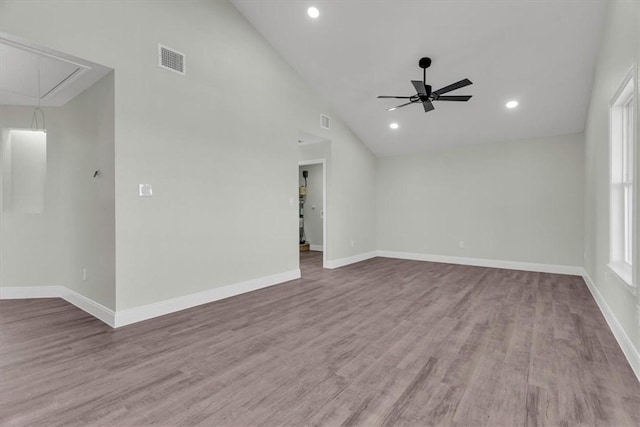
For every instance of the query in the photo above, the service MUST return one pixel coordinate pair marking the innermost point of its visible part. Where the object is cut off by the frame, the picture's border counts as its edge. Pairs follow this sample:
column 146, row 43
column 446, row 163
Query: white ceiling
column 541, row 53
column 25, row 69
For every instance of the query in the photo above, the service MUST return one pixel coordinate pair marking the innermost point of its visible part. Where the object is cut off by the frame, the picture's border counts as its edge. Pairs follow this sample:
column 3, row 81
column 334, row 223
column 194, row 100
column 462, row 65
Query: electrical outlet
column 461, row 244
column 638, row 314
column 84, row 274
column 352, row 243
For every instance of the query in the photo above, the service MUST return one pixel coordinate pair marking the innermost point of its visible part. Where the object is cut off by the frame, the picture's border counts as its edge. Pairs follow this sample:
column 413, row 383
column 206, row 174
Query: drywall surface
column 75, row 230
column 214, row 144
column 350, row 205
column 519, row 201
column 313, row 203
column 619, row 51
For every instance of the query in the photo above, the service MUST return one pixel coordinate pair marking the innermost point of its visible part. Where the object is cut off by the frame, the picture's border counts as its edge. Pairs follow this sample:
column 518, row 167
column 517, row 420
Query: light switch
column 145, row 190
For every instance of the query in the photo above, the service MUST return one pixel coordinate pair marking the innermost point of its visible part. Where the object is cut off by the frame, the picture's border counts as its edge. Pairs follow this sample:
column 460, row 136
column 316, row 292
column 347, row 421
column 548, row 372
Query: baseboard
column 27, row 292
column 95, row 309
column 138, row 314
column 336, row 263
column 83, row 303
column 149, row 311
column 630, row 352
column 318, row 248
column 481, row 262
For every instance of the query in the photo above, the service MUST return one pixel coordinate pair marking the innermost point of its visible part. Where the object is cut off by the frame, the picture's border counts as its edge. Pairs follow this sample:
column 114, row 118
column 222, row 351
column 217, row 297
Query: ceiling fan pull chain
column 35, row 126
column 34, row 118
column 34, row 121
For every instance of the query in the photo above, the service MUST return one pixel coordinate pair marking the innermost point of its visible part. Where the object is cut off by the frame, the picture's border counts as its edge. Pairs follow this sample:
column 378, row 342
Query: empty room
column 319, row 213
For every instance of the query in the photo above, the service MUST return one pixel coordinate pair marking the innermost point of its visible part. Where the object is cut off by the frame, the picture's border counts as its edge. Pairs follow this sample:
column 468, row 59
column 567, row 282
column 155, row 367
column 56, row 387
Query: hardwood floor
column 381, row 342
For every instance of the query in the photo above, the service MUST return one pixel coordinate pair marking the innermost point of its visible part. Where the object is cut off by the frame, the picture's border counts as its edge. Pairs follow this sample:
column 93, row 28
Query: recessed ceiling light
column 313, row 12
column 394, row 126
column 512, row 104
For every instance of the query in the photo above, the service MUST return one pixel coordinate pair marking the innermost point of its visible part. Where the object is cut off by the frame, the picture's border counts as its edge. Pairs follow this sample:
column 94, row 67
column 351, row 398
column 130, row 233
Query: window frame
column 623, row 117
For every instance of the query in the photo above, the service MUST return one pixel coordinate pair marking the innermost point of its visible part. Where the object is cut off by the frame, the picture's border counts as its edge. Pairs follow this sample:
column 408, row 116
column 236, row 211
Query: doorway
column 312, row 228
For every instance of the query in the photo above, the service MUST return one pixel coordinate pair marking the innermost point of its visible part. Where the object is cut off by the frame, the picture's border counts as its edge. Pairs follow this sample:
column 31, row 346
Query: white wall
column 76, row 228
column 313, row 216
column 619, row 50
column 214, row 143
column 518, row 201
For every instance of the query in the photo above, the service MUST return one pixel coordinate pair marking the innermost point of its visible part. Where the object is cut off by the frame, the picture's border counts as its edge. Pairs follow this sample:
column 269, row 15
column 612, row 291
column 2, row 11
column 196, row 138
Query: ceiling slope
column 26, row 69
column 541, row 53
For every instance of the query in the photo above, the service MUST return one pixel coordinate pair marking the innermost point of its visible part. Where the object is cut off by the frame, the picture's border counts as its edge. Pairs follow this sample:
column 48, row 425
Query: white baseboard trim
column 95, row 309
column 481, row 262
column 149, row 311
column 318, row 248
column 85, row 304
column 138, row 314
column 336, row 263
column 27, row 292
column 631, row 353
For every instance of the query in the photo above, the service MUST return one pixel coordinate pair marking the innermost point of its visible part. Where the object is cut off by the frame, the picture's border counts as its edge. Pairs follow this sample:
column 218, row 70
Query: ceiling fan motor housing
column 424, row 93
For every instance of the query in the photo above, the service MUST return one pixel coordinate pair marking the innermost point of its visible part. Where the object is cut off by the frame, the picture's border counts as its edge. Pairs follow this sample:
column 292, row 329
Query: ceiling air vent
column 170, row 59
column 324, row 121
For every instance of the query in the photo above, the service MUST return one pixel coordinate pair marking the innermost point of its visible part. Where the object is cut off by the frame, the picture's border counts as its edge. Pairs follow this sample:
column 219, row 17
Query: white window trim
column 625, row 273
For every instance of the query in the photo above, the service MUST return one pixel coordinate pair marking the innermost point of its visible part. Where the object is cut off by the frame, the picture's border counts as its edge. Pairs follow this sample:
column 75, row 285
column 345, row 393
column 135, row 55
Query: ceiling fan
column 424, row 94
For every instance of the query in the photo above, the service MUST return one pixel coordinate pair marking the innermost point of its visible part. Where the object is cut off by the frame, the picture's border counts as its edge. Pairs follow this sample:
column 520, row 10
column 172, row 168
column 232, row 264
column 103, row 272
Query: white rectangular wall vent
column 325, row 121
column 170, row 59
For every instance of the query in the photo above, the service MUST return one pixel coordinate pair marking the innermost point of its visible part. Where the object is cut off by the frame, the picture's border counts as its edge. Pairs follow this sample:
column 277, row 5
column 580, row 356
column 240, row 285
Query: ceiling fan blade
column 420, row 87
column 399, row 106
column 396, row 97
column 428, row 106
column 454, row 86
column 454, row 98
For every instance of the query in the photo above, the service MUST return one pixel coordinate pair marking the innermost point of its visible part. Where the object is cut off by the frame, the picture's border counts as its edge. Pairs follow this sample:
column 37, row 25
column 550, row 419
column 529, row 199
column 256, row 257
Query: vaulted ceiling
column 26, row 70
column 540, row 53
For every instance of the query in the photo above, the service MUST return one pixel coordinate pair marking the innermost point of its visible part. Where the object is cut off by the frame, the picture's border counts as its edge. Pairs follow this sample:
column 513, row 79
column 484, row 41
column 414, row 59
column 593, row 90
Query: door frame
column 324, row 202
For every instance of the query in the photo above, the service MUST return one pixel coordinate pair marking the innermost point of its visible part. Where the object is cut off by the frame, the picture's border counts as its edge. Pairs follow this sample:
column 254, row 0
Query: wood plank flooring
column 382, row 342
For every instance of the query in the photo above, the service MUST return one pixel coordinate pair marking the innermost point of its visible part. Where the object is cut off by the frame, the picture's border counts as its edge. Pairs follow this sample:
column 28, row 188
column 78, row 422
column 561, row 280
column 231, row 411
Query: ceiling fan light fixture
column 512, row 104
column 425, row 96
column 394, row 125
column 313, row 12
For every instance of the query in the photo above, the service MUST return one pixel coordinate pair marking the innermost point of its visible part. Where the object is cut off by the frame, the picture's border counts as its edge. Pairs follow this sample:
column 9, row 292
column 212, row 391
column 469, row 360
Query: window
column 623, row 130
